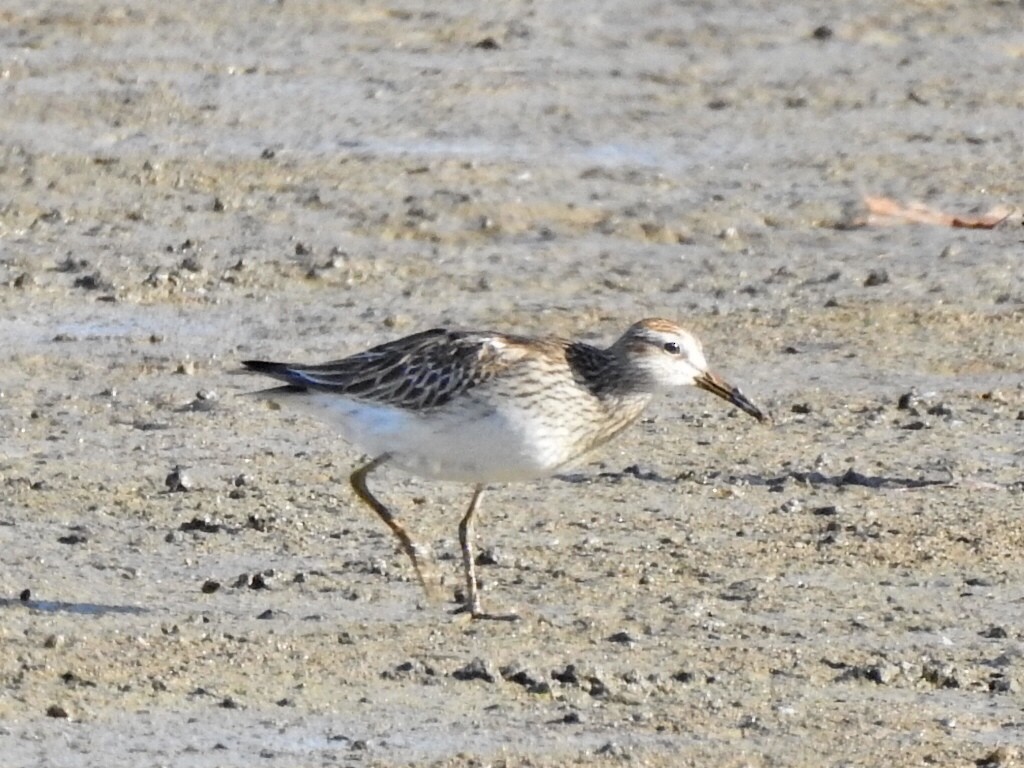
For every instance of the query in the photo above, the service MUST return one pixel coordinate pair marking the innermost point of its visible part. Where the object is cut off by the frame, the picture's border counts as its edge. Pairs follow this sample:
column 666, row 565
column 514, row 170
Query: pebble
column 179, row 480
column 908, row 400
column 876, row 277
column 205, row 401
column 994, row 632
column 1000, row 683
column 940, row 675
column 531, row 681
column 684, row 676
column 411, row 669
column 622, row 637
column 202, row 525
column 489, row 556
column 477, row 669
column 613, row 749
column 999, row 756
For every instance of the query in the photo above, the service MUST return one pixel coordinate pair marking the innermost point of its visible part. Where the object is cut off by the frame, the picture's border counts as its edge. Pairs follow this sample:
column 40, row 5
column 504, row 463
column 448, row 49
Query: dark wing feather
column 424, row 370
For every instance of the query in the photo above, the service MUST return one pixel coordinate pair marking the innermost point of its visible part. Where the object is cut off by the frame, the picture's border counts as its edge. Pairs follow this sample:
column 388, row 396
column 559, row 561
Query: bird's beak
column 711, row 382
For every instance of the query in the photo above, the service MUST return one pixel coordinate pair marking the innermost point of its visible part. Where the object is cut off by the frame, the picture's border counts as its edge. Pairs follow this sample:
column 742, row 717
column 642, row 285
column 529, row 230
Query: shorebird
column 482, row 407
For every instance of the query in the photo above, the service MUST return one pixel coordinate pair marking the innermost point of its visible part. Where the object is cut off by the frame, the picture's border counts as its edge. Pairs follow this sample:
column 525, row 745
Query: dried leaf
column 883, row 211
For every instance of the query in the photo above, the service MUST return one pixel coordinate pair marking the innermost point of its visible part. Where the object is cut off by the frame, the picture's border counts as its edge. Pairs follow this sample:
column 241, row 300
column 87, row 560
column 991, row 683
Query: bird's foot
column 476, row 612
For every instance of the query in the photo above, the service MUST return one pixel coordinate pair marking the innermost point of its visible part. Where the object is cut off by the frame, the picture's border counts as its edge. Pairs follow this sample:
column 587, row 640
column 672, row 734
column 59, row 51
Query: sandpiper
column 482, row 407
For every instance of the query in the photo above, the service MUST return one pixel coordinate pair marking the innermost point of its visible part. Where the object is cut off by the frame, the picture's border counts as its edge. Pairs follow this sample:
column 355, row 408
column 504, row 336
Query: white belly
column 468, row 444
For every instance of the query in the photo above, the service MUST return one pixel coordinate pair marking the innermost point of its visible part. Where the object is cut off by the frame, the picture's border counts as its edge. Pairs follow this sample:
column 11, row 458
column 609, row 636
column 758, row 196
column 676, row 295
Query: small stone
column 532, row 682
column 190, row 264
column 568, row 676
column 684, row 676
column 179, row 480
column 823, row 32
column 881, row 673
column 1000, row 756
column 210, row 586
column 200, row 525
column 477, row 669
column 876, row 277
column 489, row 556
column 256, row 522
column 1000, row 683
column 93, row 282
column 487, row 44
column 940, row 675
column 205, row 400
column 994, row 632
column 612, row 749
column 55, row 710
column 25, row 595
column 622, row 637
column 54, row 641
column 801, row 408
column 908, row 400
column 260, row 580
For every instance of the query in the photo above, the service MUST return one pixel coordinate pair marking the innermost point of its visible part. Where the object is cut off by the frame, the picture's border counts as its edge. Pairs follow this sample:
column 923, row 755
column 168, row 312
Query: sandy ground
column 186, row 185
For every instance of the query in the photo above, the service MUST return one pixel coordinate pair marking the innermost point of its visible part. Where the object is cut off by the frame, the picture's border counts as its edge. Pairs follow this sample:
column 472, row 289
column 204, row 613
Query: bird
column 484, row 408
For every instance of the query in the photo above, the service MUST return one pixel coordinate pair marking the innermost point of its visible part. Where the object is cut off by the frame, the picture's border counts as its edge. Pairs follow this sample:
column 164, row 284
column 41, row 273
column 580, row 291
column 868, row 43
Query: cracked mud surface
column 182, row 190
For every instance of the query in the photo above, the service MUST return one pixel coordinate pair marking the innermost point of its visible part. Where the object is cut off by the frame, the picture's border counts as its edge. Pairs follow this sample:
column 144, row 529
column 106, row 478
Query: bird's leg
column 358, row 480
column 469, row 564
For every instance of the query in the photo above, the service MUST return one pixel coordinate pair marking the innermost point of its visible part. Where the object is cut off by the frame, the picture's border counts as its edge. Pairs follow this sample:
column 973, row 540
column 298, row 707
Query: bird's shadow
column 59, row 606
column 777, row 483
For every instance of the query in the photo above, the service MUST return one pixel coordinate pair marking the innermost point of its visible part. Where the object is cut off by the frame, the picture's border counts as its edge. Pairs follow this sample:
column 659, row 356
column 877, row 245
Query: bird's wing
column 424, row 370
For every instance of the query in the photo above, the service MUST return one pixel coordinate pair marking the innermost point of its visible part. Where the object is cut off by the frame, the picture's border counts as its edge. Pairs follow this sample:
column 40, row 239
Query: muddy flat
column 186, row 578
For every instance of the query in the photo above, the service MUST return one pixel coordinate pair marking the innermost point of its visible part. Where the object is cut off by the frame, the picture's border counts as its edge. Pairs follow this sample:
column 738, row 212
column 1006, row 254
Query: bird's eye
column 671, row 347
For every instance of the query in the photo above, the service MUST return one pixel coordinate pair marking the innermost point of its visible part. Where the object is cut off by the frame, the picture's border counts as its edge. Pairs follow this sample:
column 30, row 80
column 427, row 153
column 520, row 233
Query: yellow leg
column 358, row 480
column 469, row 563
